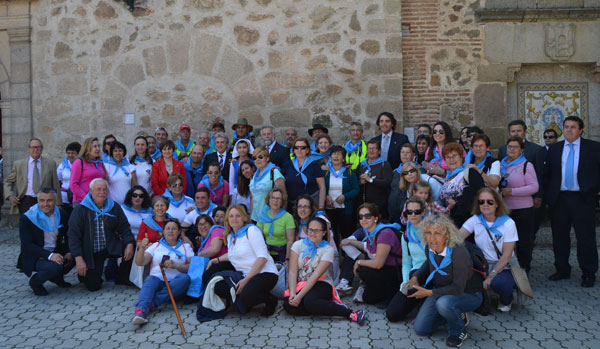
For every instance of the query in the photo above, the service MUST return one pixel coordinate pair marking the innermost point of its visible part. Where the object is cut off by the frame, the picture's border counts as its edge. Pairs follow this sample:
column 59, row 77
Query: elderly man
column 98, row 229
column 161, row 135
column 44, row 249
column 193, row 169
column 184, row 145
column 278, row 153
column 221, row 156
column 356, row 148
column 28, row 176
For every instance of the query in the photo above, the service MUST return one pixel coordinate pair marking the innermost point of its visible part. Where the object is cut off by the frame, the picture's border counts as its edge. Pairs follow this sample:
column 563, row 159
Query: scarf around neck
column 265, row 219
column 438, row 269
column 90, row 204
column 311, row 249
column 42, row 220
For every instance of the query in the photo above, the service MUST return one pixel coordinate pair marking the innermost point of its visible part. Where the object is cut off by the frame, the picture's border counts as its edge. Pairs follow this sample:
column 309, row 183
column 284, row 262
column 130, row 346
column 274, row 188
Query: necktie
column 36, row 177
column 569, row 167
column 221, row 161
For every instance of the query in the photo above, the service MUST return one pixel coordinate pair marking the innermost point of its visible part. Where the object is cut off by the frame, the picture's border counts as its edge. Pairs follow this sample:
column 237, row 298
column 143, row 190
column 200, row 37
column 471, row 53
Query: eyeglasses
column 451, row 157
column 139, row 196
column 489, row 202
column 411, row 212
column 366, row 216
column 470, row 135
column 549, row 137
column 305, row 207
column 260, row 157
column 36, row 147
column 212, row 172
column 315, row 231
column 275, row 198
column 513, row 147
column 178, row 184
column 438, row 131
column 412, row 170
column 300, row 147
column 200, row 224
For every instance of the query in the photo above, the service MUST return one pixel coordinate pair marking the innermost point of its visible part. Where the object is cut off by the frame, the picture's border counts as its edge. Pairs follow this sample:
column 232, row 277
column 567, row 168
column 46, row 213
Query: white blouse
column 247, row 249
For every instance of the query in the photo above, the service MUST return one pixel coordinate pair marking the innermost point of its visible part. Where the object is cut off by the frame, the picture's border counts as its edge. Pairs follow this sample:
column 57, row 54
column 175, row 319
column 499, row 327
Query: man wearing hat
column 242, row 131
column 184, row 145
column 315, row 132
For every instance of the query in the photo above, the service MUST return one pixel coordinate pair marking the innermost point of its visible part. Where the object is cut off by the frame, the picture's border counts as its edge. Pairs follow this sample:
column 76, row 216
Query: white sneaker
column 504, row 308
column 358, row 296
column 343, row 287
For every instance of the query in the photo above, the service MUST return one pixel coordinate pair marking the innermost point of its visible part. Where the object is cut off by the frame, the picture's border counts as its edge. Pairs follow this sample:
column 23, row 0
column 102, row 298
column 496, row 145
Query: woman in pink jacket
column 87, row 167
column 518, row 184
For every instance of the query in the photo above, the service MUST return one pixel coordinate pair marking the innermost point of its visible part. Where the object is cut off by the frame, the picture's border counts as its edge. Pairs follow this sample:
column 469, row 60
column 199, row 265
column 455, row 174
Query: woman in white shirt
column 141, row 164
column 137, row 206
column 248, row 254
column 179, row 204
column 63, row 173
column 119, row 172
column 496, row 235
column 154, row 291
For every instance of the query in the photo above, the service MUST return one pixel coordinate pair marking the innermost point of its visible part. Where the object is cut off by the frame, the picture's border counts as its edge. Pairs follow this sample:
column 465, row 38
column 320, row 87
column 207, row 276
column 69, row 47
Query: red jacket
column 159, row 175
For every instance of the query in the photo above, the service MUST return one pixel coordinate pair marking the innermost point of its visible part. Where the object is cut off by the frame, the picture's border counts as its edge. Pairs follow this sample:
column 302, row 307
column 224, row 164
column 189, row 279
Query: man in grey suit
column 28, row 176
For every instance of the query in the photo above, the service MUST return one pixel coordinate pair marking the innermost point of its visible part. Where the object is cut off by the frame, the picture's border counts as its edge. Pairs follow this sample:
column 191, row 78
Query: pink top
column 523, row 187
column 82, row 176
column 217, row 198
column 216, row 233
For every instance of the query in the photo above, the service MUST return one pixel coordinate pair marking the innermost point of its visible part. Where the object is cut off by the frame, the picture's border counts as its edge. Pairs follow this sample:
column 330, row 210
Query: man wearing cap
column 277, row 152
column 184, row 145
column 390, row 141
column 242, row 131
column 315, row 132
column 217, row 127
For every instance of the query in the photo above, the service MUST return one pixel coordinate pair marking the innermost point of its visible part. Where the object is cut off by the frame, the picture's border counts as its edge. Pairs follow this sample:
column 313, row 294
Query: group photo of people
column 428, row 231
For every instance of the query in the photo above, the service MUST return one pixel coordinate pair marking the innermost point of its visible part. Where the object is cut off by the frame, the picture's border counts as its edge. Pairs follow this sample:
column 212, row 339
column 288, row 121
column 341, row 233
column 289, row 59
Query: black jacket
column 398, row 139
column 279, row 155
column 81, row 230
column 32, row 242
column 214, row 158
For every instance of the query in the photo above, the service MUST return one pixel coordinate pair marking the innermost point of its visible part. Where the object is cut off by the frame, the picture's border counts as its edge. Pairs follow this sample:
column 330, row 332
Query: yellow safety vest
column 358, row 156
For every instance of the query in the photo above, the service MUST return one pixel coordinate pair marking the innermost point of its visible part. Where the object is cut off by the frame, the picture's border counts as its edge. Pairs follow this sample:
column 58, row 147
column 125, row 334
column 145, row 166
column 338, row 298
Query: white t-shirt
column 335, row 190
column 494, row 169
column 64, row 176
column 247, row 249
column 157, row 250
column 482, row 239
column 307, row 266
column 135, row 220
column 181, row 211
column 118, row 183
column 143, row 171
column 190, row 218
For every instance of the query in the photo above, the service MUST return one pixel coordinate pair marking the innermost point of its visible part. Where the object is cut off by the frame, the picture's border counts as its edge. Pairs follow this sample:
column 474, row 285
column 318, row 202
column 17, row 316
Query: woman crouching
column 311, row 290
column 451, row 289
column 154, row 291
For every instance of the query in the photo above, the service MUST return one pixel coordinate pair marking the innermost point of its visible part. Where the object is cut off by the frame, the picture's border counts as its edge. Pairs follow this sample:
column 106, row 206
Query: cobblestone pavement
column 563, row 315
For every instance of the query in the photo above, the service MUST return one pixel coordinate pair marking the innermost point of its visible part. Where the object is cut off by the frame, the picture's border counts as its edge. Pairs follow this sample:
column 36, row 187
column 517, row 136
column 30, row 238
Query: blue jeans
column 504, row 284
column 446, row 309
column 154, row 291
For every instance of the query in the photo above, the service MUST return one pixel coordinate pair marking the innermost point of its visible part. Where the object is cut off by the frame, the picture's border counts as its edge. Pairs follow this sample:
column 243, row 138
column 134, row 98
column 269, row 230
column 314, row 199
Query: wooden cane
column 162, row 270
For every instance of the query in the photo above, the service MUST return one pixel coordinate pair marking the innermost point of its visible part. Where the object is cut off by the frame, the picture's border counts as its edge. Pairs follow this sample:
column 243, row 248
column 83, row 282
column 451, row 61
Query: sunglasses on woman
column 412, row 212
column 300, row 147
column 260, row 157
column 438, row 131
column 138, row 196
column 366, row 216
column 412, row 170
column 489, row 202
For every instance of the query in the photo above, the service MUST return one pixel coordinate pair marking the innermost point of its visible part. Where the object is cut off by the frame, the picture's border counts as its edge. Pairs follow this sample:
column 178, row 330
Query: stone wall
column 288, row 63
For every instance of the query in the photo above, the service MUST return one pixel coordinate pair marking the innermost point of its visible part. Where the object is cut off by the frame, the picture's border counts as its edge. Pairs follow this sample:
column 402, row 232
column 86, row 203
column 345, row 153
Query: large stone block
column 105, row 11
column 382, row 66
column 591, row 3
column 155, row 61
column 253, row 115
column 62, row 50
column 389, row 24
column 393, row 44
column 497, row 72
column 72, row 86
column 319, row 15
column 290, row 80
column 393, row 87
column 56, row 106
column 489, row 105
column 370, row 46
column 178, row 48
column 246, row 36
column 392, row 6
column 130, row 73
column 205, row 53
column 394, row 106
column 232, row 66
column 20, row 72
column 291, row 118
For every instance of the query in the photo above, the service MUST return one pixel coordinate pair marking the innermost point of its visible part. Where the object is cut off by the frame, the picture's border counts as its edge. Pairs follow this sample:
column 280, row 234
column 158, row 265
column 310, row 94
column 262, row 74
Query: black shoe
column 559, row 276
column 588, row 280
column 456, row 341
column 37, row 288
column 270, row 306
column 60, row 282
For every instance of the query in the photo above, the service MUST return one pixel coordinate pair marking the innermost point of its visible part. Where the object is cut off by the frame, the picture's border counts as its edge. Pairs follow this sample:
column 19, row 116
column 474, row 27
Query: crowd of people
column 236, row 217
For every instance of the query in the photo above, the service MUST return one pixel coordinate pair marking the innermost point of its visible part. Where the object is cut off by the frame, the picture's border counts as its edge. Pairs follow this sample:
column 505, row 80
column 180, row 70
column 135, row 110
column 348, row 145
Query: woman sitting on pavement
column 379, row 272
column 446, row 281
column 277, row 225
column 311, row 290
column 496, row 235
column 154, row 291
column 413, row 256
column 248, row 255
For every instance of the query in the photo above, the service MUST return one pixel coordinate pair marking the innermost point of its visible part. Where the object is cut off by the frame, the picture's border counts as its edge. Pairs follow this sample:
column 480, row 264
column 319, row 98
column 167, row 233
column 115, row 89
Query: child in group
column 422, row 190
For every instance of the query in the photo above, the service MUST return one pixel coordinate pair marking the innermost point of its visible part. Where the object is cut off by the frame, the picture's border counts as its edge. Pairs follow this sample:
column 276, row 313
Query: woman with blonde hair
column 87, row 167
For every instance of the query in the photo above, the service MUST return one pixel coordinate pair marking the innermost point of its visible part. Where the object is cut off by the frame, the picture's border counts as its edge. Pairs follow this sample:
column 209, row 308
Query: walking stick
column 162, row 270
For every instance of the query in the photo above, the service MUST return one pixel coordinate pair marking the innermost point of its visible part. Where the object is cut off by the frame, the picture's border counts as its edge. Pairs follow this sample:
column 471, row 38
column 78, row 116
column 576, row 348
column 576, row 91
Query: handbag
column 518, row 274
column 138, row 273
column 195, row 272
column 282, row 281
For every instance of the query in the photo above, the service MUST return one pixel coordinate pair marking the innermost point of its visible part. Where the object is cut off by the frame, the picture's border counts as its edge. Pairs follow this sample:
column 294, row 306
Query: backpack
column 480, row 268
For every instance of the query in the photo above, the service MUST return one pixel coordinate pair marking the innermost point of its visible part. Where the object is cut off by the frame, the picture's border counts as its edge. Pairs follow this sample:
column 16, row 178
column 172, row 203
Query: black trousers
column 380, row 284
column 524, row 220
column 317, row 301
column 26, row 203
column 347, row 269
column 93, row 277
column 569, row 211
column 341, row 224
column 401, row 305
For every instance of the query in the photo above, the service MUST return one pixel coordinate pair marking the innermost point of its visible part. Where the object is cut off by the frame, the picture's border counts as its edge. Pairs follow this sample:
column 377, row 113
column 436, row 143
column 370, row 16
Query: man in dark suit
column 44, row 248
column 571, row 181
column 221, row 156
column 278, row 153
column 390, row 141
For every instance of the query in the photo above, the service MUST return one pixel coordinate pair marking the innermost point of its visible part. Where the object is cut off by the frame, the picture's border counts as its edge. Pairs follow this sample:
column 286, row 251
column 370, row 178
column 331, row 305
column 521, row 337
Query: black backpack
column 480, row 270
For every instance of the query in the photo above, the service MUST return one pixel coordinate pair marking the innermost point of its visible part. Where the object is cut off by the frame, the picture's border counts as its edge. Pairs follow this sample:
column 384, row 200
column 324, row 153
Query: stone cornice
column 534, row 15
